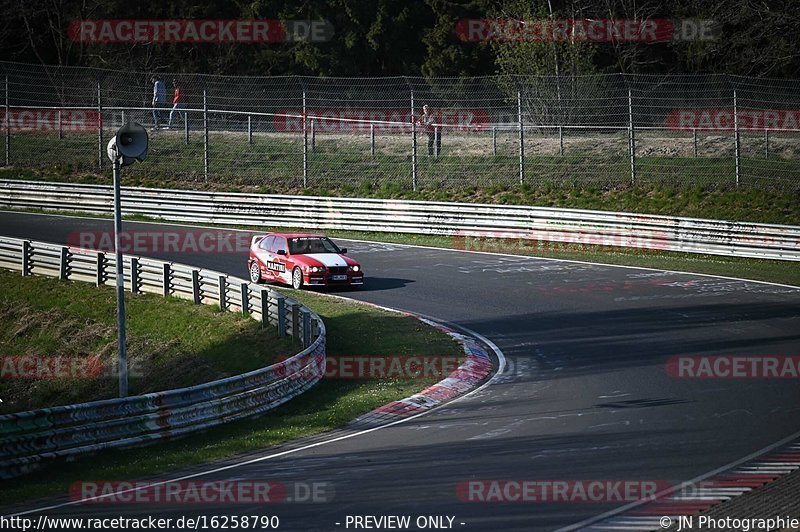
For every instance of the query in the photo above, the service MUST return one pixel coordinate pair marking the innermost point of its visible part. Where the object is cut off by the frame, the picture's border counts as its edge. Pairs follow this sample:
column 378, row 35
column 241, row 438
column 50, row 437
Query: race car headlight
column 355, row 268
column 316, row 269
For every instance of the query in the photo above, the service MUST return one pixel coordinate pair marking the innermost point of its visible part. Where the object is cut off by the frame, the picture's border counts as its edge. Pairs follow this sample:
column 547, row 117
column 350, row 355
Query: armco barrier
column 28, row 439
column 743, row 239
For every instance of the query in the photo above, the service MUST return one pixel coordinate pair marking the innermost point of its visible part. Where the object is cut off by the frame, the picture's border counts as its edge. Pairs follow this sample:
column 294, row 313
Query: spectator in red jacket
column 177, row 103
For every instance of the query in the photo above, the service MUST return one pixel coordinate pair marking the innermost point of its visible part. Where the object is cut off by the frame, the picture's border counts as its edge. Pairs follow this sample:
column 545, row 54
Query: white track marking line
column 501, row 366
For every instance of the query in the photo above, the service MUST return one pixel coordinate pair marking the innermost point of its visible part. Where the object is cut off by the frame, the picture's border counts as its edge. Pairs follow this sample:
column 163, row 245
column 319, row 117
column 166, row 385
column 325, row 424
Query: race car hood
column 325, row 259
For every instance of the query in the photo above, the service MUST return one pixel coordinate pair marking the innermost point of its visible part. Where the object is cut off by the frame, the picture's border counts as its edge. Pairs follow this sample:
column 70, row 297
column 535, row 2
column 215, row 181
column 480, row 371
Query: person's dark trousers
column 435, row 138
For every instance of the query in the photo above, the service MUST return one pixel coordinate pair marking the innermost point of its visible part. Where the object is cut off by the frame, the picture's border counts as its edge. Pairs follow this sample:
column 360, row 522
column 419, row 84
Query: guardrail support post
column 63, row 264
column 27, row 253
column 372, row 140
column 736, row 137
column 196, row 287
column 296, row 321
column 265, row 296
column 205, row 136
column 631, row 138
column 280, row 301
column 135, row 271
column 521, row 139
column 100, row 268
column 245, row 292
column 166, row 279
column 100, row 147
column 222, row 283
column 306, row 327
column 249, row 129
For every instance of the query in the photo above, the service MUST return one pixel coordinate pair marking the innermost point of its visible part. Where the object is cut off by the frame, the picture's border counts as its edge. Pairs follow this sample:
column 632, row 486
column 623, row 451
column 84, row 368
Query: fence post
column 694, row 139
column 436, row 140
column 313, row 136
column 494, row 141
column 100, row 268
column 60, row 126
column 305, row 143
column 186, row 127
column 8, row 127
column 135, row 275
column 63, row 264
column 166, row 278
column 26, row 258
column 631, row 138
column 561, row 141
column 196, row 287
column 280, row 301
column 766, row 143
column 99, row 128
column 372, row 140
column 521, row 139
column 736, row 136
column 205, row 136
column 245, row 291
column 413, row 143
column 222, row 284
column 249, row 129
column 306, row 327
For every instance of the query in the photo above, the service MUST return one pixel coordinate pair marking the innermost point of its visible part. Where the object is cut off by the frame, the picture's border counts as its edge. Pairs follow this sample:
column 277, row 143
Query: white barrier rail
column 467, row 222
column 29, row 439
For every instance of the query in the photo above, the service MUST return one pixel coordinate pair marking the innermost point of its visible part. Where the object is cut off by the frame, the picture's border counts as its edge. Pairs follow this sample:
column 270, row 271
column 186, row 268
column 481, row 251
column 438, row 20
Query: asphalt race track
column 585, row 394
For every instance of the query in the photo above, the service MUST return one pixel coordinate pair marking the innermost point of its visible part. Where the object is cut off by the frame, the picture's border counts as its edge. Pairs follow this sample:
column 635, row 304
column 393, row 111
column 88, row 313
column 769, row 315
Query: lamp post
column 128, row 146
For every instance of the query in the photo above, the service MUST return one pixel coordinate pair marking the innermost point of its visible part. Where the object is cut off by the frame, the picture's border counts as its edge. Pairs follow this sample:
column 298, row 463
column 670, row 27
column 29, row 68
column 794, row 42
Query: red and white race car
column 301, row 258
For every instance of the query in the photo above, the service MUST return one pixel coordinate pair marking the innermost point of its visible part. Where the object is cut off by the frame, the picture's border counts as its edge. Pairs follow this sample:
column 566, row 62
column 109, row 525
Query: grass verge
column 171, row 343
column 353, row 329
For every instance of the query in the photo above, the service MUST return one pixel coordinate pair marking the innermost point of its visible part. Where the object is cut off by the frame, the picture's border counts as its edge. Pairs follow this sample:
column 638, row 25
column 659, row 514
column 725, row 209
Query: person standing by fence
column 177, row 103
column 434, row 134
column 159, row 99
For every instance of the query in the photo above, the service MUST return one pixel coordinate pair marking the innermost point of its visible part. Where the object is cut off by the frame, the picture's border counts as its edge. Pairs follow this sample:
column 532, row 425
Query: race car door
column 278, row 264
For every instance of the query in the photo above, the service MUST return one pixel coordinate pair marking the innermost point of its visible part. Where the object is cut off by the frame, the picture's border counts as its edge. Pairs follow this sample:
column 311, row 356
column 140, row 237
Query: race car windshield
column 305, row 246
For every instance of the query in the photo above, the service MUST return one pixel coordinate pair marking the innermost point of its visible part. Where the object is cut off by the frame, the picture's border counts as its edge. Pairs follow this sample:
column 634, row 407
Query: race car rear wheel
column 297, row 279
column 255, row 272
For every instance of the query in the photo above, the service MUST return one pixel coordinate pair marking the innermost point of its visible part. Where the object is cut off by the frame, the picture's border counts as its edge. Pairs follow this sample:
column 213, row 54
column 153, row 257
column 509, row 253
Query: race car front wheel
column 255, row 272
column 297, row 279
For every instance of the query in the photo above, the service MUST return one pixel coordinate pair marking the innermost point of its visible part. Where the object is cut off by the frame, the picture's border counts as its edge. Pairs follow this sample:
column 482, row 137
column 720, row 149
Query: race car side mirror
column 343, row 250
column 281, row 252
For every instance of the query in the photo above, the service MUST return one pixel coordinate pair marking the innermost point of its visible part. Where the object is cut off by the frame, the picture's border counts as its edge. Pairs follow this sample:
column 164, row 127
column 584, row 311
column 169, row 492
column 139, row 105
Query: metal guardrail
column 464, row 221
column 28, row 439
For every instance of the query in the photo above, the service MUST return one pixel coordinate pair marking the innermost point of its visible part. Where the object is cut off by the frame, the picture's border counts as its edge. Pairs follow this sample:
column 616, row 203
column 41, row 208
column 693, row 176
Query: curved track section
column 585, row 393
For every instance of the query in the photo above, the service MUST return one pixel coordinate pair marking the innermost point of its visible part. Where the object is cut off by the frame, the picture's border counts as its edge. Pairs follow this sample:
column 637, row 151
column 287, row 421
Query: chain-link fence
column 596, row 131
